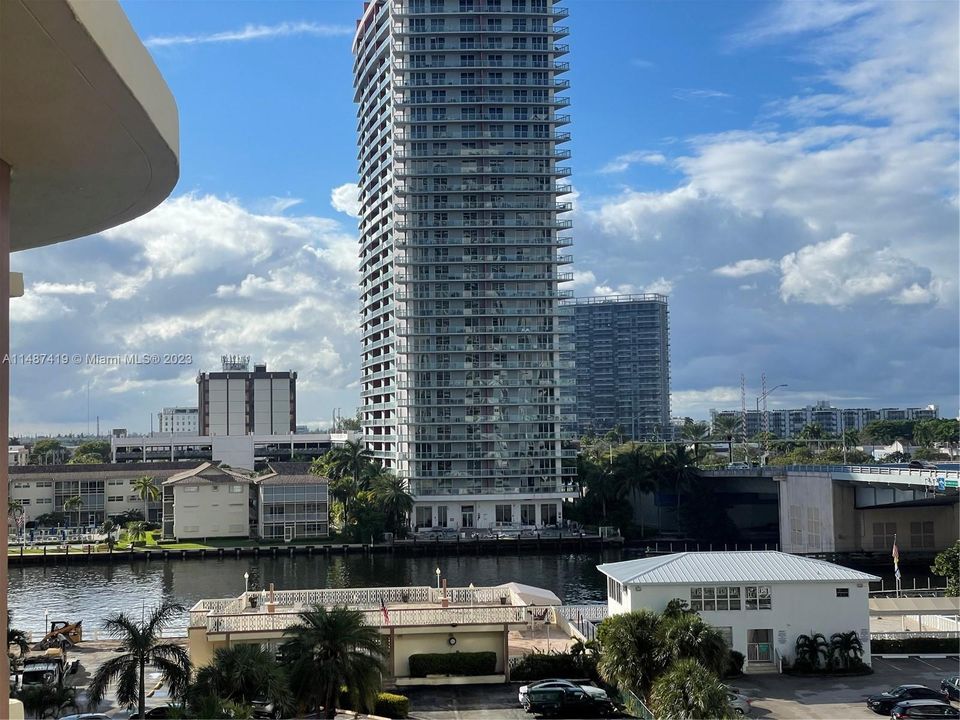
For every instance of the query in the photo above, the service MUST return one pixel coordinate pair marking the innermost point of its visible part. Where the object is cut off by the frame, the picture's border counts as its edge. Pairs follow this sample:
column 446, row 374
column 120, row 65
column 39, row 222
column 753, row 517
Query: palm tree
column 689, row 690
column 136, row 531
column 390, row 493
column 108, row 528
column 350, row 459
column 73, row 504
column 241, row 674
column 329, row 649
column 631, row 657
column 846, row 649
column 687, row 636
column 810, row 649
column 47, row 701
column 16, row 637
column 147, row 490
column 141, row 646
column 725, row 427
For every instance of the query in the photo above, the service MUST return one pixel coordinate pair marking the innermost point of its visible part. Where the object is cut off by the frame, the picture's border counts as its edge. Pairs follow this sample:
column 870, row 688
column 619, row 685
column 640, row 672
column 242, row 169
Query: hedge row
column 456, row 663
column 388, row 705
column 902, row 646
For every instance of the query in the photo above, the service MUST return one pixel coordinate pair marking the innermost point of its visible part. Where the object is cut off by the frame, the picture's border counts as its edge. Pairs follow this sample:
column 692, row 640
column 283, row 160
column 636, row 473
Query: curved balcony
column 481, row 82
column 506, row 223
column 486, row 205
column 456, row 63
column 401, row 171
column 404, row 189
column 402, row 119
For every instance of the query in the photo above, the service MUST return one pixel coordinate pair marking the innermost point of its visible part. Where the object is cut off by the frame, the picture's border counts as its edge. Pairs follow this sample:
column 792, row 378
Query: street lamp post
column 246, row 582
column 438, row 579
column 764, row 397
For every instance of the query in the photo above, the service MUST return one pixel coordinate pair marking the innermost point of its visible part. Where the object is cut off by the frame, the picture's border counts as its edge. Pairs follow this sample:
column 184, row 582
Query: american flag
column 896, row 558
column 383, row 609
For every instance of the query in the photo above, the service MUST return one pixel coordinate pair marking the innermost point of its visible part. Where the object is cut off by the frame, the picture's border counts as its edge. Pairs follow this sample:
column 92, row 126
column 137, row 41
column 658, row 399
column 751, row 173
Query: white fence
column 400, row 617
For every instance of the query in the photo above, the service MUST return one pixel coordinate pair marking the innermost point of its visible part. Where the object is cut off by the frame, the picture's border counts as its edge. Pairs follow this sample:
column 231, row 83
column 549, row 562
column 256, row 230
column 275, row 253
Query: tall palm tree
column 686, row 635
column 329, row 649
column 108, row 528
column 689, row 690
column 147, row 490
column 141, row 646
column 631, row 657
column 73, row 504
column 351, row 459
column 391, row 495
column 241, row 674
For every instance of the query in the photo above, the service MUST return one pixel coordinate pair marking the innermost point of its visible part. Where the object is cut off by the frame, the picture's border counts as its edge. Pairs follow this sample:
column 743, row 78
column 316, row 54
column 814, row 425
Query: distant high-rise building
column 238, row 401
column 623, row 365
column 464, row 394
column 178, row 420
column 832, row 420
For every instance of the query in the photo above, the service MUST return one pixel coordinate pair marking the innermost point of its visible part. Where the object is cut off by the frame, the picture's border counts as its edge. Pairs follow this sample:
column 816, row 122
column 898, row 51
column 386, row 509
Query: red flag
column 383, row 609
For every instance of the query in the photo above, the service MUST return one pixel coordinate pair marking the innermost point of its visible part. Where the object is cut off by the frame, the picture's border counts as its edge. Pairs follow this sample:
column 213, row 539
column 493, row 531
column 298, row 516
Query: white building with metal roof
column 760, row 601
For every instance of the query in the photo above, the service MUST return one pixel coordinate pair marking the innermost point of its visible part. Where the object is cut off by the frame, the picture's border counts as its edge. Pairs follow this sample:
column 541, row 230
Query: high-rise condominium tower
column 466, row 386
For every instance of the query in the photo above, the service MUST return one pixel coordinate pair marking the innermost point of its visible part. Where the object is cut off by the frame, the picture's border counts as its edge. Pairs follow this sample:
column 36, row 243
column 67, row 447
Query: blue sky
column 786, row 172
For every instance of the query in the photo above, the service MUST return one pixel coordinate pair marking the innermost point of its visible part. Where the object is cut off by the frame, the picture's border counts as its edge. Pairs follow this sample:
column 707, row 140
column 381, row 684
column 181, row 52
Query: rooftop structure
column 729, row 567
column 178, row 420
column 415, row 619
column 623, row 365
column 464, row 345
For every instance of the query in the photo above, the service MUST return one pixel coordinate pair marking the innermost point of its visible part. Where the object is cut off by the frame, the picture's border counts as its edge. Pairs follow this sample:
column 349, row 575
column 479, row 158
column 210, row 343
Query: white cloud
column 643, row 64
column 743, row 268
column 687, row 94
column 253, row 32
column 625, row 161
column 50, row 288
column 660, row 286
column 38, row 308
column 190, row 234
column 846, row 269
column 345, row 198
column 278, row 205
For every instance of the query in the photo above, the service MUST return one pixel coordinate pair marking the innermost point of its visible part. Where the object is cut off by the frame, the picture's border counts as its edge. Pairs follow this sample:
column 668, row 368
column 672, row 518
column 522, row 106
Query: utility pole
column 743, row 415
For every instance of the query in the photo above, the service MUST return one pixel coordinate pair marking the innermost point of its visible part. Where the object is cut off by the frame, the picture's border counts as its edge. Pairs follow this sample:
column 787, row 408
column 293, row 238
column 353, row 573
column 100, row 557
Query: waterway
column 95, row 591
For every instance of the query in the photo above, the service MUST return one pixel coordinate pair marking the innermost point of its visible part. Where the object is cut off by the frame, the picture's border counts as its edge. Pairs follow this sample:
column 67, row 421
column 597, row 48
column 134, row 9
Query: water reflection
column 91, row 592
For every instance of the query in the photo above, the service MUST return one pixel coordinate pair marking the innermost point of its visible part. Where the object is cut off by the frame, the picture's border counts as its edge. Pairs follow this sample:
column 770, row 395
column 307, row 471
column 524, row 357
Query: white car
column 739, row 703
column 590, row 690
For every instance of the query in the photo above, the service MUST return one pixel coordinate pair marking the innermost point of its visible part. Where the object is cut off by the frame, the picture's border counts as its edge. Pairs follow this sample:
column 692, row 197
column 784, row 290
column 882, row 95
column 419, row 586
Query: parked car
column 85, row 716
column 922, row 465
column 950, row 686
column 557, row 683
column 883, row 703
column 565, row 701
column 158, row 713
column 264, row 709
column 739, row 703
column 925, row 710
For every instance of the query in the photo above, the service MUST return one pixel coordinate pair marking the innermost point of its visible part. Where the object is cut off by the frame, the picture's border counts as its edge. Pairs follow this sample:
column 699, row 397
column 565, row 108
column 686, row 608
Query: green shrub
column 456, row 663
column 392, row 706
column 734, row 664
column 540, row 666
column 904, row 646
column 388, row 704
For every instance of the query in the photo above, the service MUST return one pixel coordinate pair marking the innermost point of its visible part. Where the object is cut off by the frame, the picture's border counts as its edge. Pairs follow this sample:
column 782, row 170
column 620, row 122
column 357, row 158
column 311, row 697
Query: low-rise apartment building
column 759, row 601
column 210, row 501
column 104, row 490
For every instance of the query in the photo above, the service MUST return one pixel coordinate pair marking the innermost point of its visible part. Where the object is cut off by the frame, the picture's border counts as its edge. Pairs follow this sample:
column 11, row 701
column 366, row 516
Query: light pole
column 438, row 579
column 759, row 398
column 246, row 582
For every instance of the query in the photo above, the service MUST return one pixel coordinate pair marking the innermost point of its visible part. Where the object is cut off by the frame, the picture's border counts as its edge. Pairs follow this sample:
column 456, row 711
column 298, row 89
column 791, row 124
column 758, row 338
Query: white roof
column 766, row 566
column 533, row 595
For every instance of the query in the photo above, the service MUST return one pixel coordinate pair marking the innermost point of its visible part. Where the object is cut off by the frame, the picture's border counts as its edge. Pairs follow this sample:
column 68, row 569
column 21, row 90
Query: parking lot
column 772, row 696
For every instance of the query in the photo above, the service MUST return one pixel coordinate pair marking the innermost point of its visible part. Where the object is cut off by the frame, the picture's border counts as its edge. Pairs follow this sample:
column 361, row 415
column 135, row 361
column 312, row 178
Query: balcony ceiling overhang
column 87, row 123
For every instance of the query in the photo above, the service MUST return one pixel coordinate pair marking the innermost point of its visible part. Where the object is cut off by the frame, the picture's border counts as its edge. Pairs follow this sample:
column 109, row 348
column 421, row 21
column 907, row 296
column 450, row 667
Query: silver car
column 739, row 703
